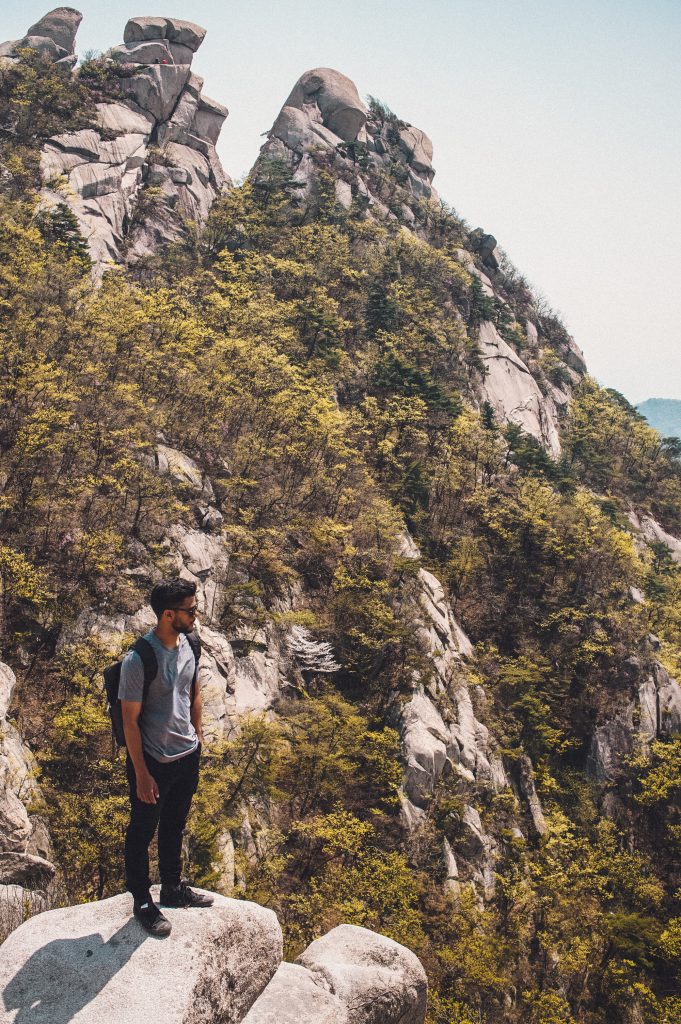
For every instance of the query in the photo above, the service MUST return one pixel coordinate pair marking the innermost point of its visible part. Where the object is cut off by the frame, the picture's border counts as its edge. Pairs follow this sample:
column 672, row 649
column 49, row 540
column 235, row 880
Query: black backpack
column 112, row 678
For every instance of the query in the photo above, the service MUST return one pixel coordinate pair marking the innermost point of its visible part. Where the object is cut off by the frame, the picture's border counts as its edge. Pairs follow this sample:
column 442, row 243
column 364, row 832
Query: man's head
column 174, row 604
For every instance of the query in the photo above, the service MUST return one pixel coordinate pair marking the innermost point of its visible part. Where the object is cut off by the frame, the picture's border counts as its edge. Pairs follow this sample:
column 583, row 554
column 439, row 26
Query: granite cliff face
column 26, row 870
column 148, row 165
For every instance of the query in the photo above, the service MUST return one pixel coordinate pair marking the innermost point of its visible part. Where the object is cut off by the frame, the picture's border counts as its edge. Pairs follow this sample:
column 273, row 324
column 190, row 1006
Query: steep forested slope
column 292, row 384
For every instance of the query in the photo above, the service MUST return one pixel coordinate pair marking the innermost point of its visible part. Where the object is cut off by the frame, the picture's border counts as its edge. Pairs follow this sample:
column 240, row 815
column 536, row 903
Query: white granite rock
column 156, row 87
column 293, row 996
column 654, row 533
column 418, row 149
column 139, row 29
column 380, row 981
column 183, row 470
column 93, row 180
column 24, row 842
column 119, row 117
column 452, row 884
column 513, row 392
column 60, row 25
column 668, row 702
column 94, row 964
column 529, row 792
column 7, row 683
column 155, row 51
column 425, row 739
column 338, row 103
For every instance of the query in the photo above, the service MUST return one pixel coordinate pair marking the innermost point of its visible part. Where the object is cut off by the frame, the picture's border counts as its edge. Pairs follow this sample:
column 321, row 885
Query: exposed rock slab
column 441, row 734
column 513, row 392
column 380, row 981
column 655, row 534
column 94, row 964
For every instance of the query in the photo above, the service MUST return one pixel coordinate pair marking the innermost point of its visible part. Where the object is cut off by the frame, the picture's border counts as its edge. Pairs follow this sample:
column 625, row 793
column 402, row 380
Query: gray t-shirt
column 165, row 722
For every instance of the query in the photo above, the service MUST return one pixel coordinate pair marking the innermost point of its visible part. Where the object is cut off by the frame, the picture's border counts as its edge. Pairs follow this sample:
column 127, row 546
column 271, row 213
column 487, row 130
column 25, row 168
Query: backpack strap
column 195, row 644
column 147, row 656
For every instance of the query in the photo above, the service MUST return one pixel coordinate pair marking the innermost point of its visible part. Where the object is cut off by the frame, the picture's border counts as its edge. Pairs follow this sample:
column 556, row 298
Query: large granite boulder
column 183, row 33
column 332, row 97
column 325, row 120
column 54, row 36
column 60, row 25
column 378, row 980
column 94, row 963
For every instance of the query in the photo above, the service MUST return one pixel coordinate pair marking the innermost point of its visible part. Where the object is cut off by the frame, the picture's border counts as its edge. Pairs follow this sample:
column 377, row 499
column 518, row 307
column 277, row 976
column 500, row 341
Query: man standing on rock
column 163, row 738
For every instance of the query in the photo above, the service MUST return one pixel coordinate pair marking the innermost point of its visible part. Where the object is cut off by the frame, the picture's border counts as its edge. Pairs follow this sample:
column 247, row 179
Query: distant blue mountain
column 664, row 414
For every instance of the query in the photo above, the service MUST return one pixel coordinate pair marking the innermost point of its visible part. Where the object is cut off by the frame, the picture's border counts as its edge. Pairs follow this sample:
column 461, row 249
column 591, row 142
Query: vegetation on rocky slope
column 322, row 369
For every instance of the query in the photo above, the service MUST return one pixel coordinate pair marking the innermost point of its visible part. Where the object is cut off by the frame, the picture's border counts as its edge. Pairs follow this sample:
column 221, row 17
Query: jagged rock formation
column 96, row 963
column 25, row 866
column 54, row 36
column 443, row 738
column 149, row 163
column 325, row 117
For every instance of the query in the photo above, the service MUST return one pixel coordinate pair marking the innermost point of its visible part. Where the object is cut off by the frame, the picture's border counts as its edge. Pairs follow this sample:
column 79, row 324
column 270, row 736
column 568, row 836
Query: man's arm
column 147, row 790
column 197, row 714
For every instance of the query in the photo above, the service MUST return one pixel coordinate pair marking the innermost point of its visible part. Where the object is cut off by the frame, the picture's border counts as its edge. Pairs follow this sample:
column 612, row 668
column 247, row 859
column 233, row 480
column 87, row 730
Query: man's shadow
column 59, row 979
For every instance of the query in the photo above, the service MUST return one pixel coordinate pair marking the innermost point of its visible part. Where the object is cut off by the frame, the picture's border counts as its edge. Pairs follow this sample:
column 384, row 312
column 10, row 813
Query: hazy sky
column 556, row 126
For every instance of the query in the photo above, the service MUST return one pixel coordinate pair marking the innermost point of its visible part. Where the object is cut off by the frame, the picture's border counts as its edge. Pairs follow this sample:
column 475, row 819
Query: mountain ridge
column 664, row 414
column 436, row 564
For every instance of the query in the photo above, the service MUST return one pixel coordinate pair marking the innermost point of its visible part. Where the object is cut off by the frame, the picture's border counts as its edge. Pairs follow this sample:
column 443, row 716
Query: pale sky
column 556, row 126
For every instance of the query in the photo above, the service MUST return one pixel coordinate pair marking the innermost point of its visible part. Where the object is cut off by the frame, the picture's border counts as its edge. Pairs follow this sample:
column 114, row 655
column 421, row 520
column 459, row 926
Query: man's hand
column 147, row 790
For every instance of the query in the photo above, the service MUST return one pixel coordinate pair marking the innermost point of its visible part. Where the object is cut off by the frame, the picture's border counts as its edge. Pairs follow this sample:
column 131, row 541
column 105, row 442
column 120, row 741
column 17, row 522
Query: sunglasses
column 188, row 611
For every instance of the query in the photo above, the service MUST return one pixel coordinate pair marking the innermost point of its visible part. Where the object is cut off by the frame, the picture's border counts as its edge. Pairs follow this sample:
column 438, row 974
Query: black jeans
column 177, row 782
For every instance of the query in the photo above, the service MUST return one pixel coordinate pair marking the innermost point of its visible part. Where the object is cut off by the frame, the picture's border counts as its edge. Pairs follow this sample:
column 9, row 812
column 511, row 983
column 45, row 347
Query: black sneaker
column 182, row 896
column 151, row 919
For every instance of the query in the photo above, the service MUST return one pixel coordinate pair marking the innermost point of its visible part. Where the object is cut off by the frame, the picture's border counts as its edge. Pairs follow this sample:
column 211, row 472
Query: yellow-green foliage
column 322, row 369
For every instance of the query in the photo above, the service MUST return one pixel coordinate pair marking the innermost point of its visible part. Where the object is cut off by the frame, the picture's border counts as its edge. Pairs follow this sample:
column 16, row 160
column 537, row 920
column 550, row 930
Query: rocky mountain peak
column 148, row 164
column 376, row 156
